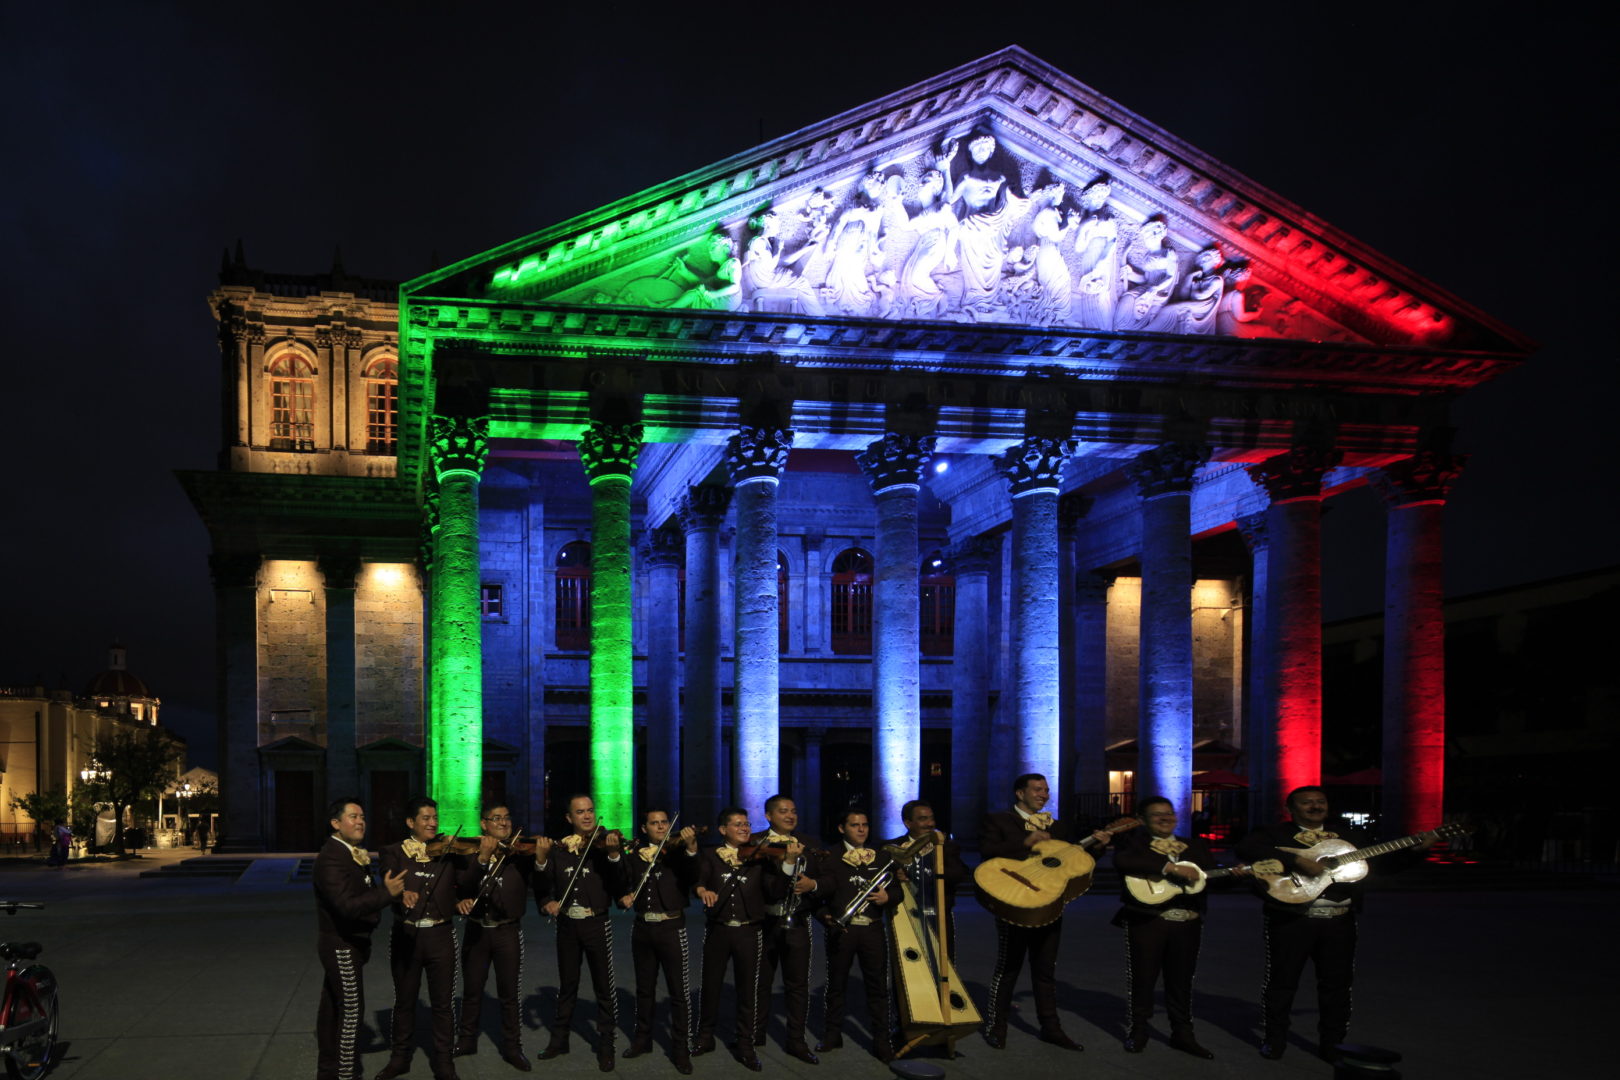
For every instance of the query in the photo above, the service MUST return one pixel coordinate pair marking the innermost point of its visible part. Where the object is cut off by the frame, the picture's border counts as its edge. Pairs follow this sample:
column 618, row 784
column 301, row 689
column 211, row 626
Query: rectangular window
column 489, row 600
column 851, row 617
column 292, row 414
column 938, row 606
column 382, row 417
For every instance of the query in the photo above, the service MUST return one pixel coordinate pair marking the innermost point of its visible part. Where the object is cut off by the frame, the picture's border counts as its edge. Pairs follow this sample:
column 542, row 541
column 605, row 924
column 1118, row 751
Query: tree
column 43, row 806
column 134, row 764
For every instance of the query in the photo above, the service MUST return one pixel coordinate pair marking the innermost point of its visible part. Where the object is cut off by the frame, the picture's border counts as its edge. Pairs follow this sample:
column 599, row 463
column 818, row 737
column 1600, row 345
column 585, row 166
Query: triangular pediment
column 1004, row 192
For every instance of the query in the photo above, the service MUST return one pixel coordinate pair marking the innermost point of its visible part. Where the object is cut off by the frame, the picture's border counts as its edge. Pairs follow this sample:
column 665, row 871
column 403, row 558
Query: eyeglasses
column 499, row 820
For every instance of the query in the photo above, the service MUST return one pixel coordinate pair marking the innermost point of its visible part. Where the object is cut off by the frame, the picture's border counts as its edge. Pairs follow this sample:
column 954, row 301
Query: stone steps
column 202, row 866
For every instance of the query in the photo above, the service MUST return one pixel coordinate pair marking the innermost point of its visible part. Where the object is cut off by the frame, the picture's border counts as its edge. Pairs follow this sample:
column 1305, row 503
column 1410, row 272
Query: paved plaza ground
column 217, row 978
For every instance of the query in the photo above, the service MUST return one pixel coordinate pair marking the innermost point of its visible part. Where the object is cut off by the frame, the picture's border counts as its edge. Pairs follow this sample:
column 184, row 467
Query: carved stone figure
column 1151, row 272
column 856, row 250
column 1054, row 283
column 981, row 186
column 717, row 289
column 920, row 295
column 767, row 280
column 1239, row 305
column 1195, row 314
column 1096, row 258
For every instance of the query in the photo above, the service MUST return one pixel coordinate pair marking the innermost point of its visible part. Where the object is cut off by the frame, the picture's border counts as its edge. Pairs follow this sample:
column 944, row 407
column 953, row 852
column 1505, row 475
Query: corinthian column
column 1164, row 732
column 456, row 733
column 755, row 458
column 1415, row 641
column 970, row 562
column 703, row 783
column 1033, row 470
column 662, row 555
column 609, row 453
column 1293, row 627
column 894, row 467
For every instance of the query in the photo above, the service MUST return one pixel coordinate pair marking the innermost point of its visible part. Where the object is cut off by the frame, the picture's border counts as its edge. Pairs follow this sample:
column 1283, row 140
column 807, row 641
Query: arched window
column 292, row 402
column 574, row 597
column 781, row 603
column 382, row 405
column 852, row 602
column 936, row 602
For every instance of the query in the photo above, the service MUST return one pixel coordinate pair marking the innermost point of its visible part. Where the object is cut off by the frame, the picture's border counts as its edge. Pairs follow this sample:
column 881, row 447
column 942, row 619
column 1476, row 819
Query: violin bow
column 562, row 901
column 433, row 883
column 648, row 875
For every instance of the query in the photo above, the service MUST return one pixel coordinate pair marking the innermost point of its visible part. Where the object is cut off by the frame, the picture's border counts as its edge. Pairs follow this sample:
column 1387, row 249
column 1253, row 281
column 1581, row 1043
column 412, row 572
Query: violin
column 675, row 842
column 778, row 852
column 457, row 845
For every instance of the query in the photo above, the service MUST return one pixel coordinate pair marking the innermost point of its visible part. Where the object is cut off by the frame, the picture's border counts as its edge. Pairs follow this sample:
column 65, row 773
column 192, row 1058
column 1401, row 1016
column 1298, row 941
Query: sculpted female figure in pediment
column 1096, row 247
column 768, row 280
column 1151, row 272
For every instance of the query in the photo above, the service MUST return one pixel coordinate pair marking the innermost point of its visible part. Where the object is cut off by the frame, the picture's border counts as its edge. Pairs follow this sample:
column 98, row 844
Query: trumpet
column 898, row 857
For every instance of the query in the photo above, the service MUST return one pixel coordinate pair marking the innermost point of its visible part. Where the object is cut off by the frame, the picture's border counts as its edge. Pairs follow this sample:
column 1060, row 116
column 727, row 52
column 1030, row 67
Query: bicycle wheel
column 30, row 1058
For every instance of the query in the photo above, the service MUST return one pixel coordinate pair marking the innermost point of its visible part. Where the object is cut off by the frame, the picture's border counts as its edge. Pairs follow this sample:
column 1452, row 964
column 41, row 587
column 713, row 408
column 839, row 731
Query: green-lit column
column 455, row 738
column 609, row 453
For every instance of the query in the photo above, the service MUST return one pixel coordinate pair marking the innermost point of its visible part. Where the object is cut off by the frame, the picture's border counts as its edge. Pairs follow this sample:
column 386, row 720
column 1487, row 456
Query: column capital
column 1252, row 527
column 339, row 571
column 1167, row 469
column 1036, row 464
column 758, row 454
column 703, row 506
column 459, row 445
column 1295, row 474
column 896, row 461
column 973, row 555
column 1071, row 508
column 1425, row 477
column 234, row 570
column 609, row 451
column 663, row 546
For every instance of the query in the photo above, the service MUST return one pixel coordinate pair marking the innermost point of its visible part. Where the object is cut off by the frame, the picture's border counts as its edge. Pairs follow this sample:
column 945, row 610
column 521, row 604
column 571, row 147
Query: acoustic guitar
column 1157, row 892
column 1341, row 861
column 1034, row 890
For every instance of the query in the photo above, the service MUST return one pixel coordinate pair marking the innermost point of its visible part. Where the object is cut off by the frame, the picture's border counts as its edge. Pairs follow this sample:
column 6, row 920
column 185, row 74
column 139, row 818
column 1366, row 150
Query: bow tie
column 861, row 856
column 647, row 852
column 729, row 855
column 362, row 857
column 1311, row 837
column 1038, row 822
column 774, row 837
column 414, row 849
column 1168, row 846
column 573, row 842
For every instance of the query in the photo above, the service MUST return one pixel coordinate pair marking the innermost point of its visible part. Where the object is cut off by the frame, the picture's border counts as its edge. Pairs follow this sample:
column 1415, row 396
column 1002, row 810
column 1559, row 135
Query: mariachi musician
column 493, row 935
column 659, row 877
column 788, row 942
column 575, row 882
column 856, row 928
column 918, row 818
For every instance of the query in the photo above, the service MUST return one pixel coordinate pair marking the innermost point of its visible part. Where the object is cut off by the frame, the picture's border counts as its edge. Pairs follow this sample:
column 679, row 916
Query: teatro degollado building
column 981, row 430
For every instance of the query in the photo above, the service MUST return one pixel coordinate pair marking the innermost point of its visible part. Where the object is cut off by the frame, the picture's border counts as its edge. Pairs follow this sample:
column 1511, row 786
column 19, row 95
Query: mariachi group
column 887, row 903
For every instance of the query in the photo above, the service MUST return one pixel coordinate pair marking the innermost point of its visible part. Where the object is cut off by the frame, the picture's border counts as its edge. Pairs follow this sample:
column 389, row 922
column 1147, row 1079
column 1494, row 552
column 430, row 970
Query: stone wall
column 292, row 652
column 388, row 654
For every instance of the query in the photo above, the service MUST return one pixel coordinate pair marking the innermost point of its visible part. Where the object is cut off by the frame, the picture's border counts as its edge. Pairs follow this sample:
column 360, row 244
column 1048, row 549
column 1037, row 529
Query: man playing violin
column 422, row 940
column 1013, row 834
column 918, row 818
column 493, row 935
column 349, row 898
column 575, row 881
column 788, row 942
column 737, row 881
column 659, row 878
column 847, row 873
column 1164, row 936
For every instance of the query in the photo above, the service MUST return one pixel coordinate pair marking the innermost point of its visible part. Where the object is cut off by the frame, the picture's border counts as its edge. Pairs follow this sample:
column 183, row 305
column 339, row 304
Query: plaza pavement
column 216, row 979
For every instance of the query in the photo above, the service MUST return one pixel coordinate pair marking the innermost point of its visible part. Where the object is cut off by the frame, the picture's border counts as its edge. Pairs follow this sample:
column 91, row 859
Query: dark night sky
column 1460, row 140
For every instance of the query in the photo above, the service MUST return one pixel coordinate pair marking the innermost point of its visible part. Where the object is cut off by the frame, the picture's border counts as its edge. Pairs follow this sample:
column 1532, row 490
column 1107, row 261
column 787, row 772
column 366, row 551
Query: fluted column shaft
column 703, row 775
column 755, row 458
column 1414, row 721
column 894, row 466
column 970, row 680
column 1164, row 736
column 1293, row 479
column 662, row 553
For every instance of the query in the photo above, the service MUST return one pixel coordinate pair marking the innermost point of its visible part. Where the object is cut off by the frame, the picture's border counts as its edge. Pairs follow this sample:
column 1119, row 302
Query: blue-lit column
column 970, row 561
column 342, row 760
column 1033, row 470
column 1164, row 734
column 455, row 738
column 703, row 772
column 755, row 458
column 662, row 554
column 236, row 637
column 1071, row 508
column 893, row 465
column 1258, row 748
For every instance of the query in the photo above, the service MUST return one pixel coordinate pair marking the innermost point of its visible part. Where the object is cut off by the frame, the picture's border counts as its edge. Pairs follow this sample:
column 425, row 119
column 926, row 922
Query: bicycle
column 28, row 1006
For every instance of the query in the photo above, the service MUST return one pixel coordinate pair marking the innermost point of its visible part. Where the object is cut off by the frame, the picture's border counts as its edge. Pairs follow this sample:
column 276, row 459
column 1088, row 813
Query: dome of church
column 117, row 681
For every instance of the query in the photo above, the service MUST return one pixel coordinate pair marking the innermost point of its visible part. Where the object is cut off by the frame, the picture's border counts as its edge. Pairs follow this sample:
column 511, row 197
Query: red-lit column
column 1293, row 630
column 1414, row 641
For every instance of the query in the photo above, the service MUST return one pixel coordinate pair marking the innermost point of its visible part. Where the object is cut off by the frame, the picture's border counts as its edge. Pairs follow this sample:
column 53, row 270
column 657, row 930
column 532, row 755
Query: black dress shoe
column 516, row 1059
column 1189, row 1045
column 996, row 1040
column 704, row 1045
column 1271, row 1051
column 395, row 1067
column 554, row 1049
column 1057, row 1038
column 802, row 1052
column 637, row 1048
column 750, row 1060
column 683, row 1064
column 604, row 1060
column 830, row 1042
column 1136, row 1041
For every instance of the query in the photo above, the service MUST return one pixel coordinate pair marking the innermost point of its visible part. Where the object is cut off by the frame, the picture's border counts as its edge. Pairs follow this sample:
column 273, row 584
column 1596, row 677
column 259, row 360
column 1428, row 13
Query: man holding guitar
column 1013, row 834
column 1162, row 912
column 1321, row 929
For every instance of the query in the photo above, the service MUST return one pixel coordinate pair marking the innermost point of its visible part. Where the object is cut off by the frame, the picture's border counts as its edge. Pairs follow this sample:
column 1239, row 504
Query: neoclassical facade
column 981, row 430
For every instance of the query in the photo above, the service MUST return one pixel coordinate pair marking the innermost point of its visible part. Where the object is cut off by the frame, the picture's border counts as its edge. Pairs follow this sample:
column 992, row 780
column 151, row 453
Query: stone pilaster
column 704, row 787
column 1164, row 478
column 1293, row 620
column 661, row 553
column 236, row 637
column 755, row 458
column 455, row 736
column 970, row 562
column 1033, row 470
column 609, row 452
column 1414, row 758
column 1259, row 748
column 340, row 573
column 893, row 465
